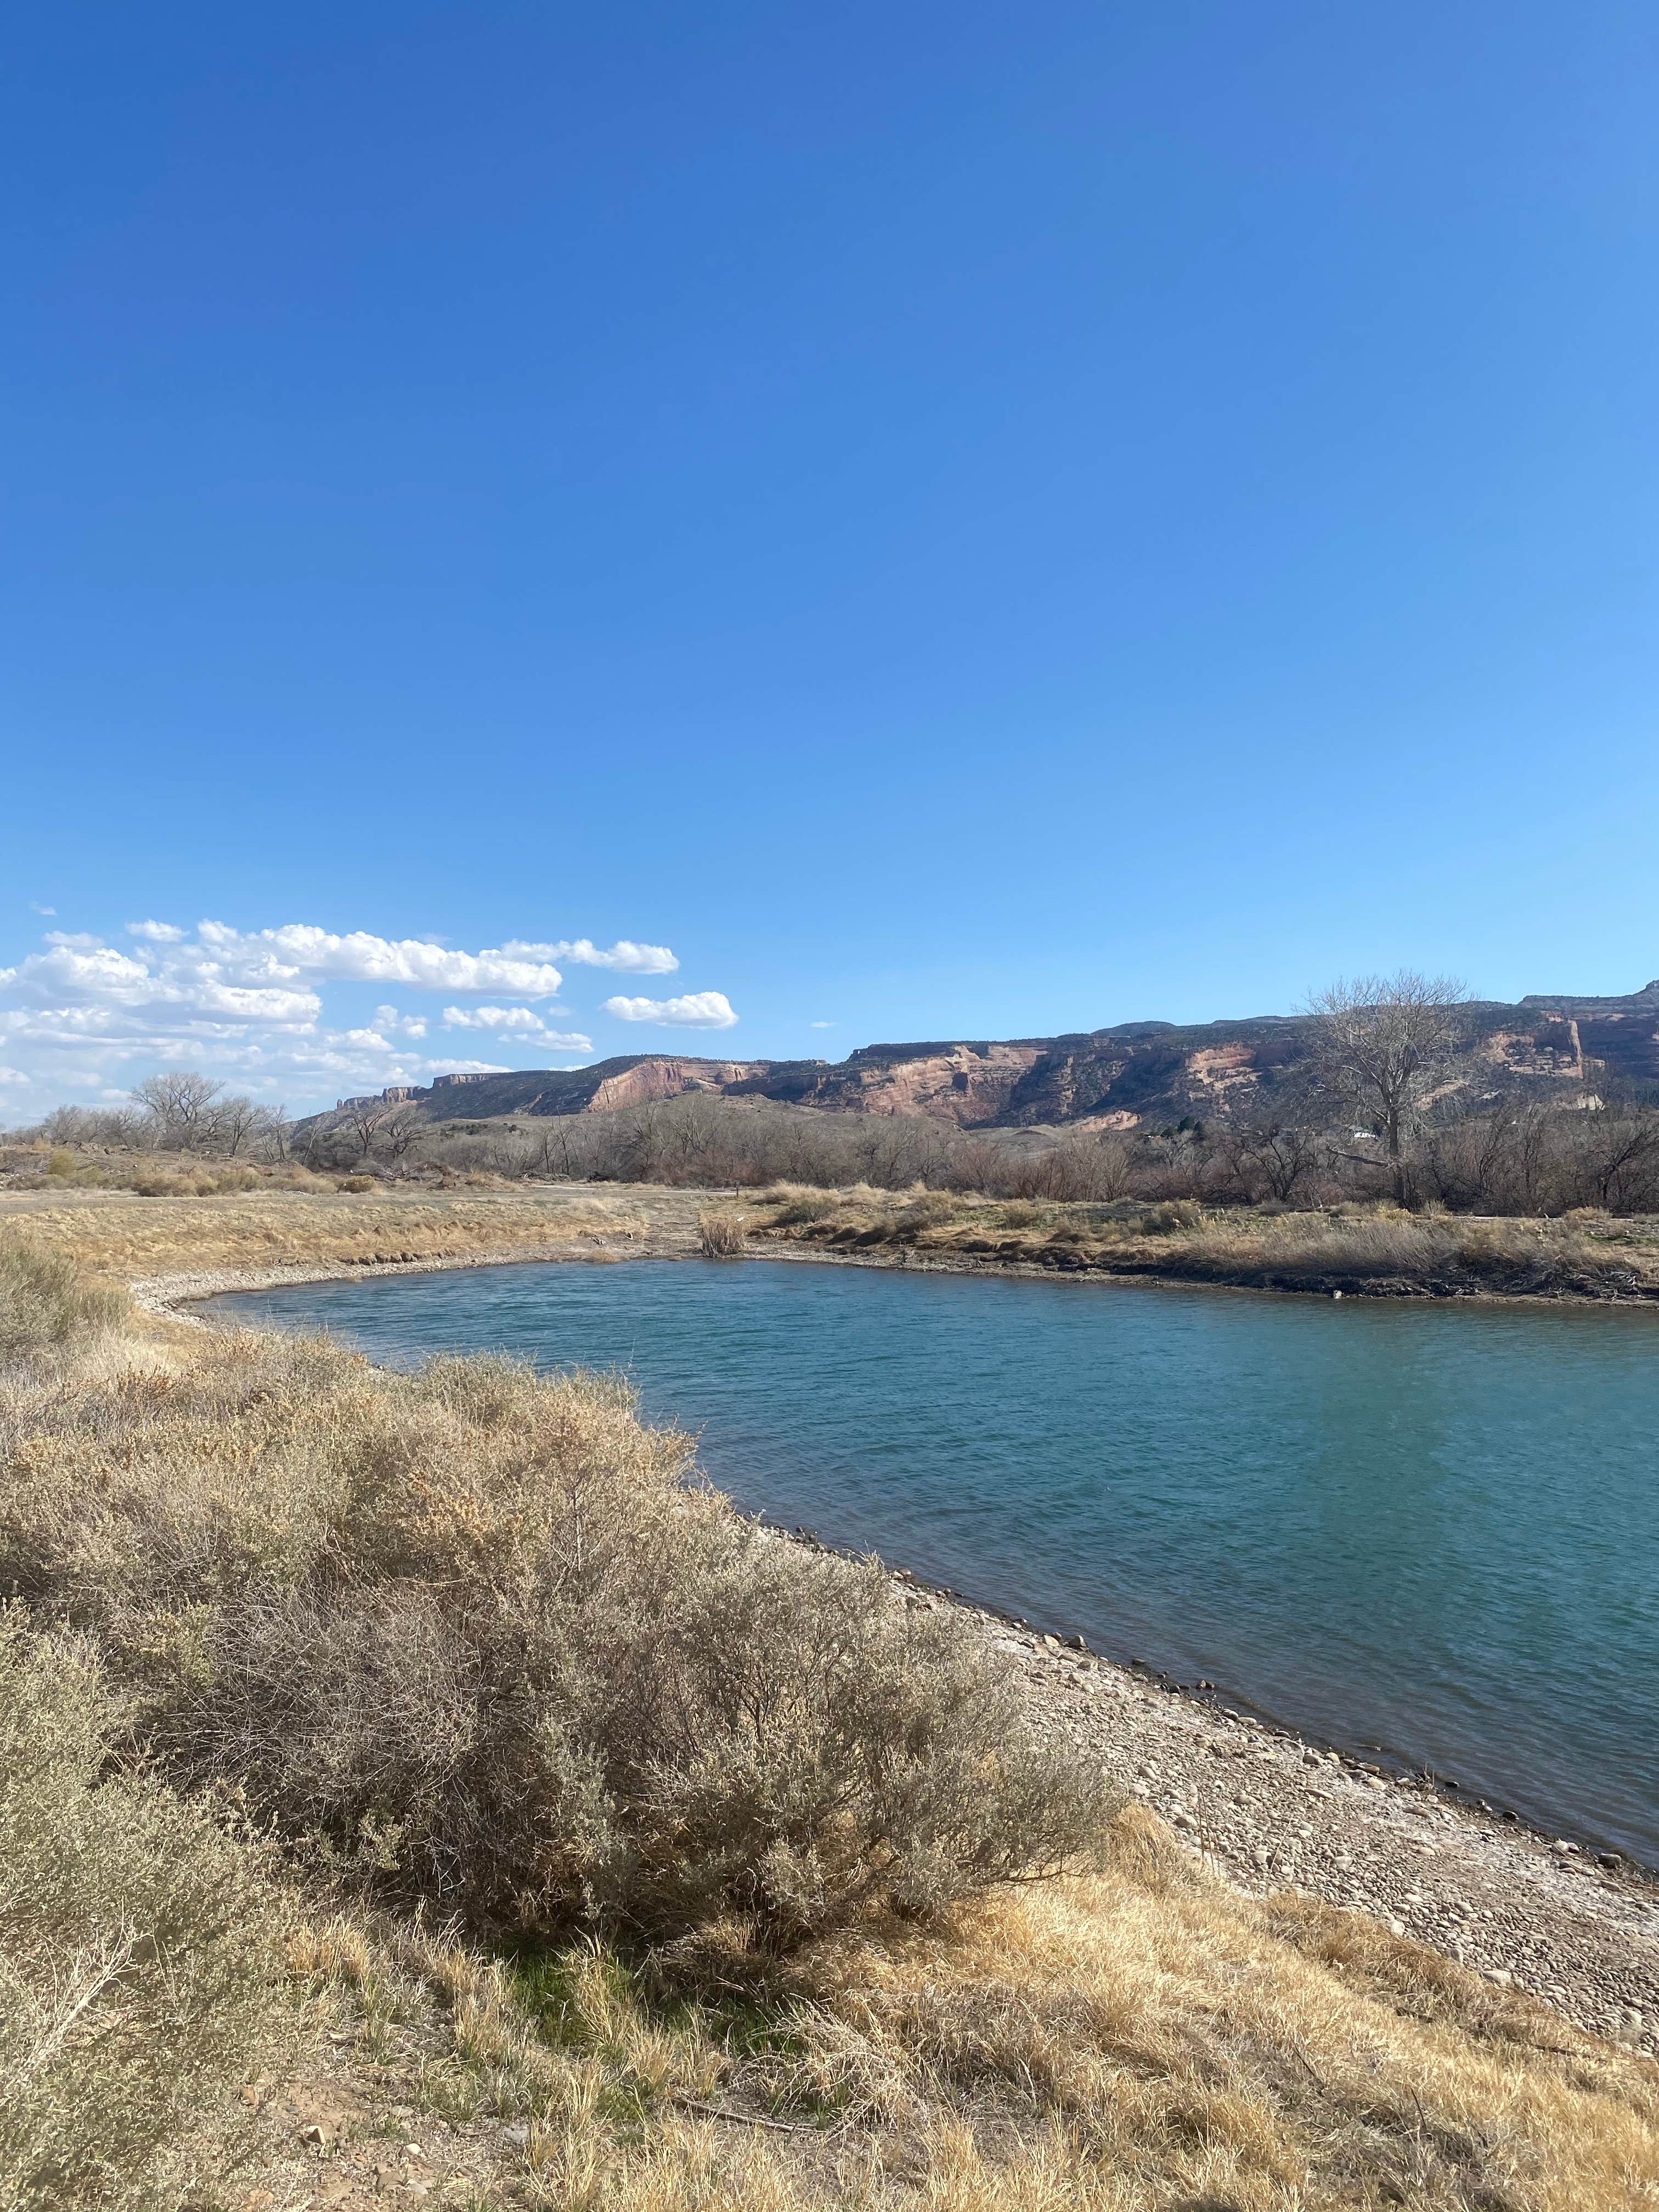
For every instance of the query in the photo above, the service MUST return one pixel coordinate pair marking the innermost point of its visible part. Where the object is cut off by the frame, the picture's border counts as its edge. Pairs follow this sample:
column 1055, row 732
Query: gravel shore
column 1273, row 1811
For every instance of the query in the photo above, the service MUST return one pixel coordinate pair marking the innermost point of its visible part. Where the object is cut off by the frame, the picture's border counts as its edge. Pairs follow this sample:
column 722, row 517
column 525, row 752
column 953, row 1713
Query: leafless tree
column 1379, row 1042
column 91, row 1125
column 359, row 1125
column 273, row 1131
column 393, row 1133
column 180, row 1106
column 1617, row 1152
column 230, row 1124
column 1272, row 1158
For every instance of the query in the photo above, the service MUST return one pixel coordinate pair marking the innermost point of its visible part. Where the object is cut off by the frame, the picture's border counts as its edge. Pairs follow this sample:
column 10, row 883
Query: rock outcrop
column 1137, row 1072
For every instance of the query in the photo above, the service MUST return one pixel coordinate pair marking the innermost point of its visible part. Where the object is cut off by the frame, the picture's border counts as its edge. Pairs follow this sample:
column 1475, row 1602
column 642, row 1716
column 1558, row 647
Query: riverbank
column 1367, row 1252
column 1556, row 1920
column 1282, row 1817
column 1287, row 1820
column 1182, row 2026
column 1374, row 1252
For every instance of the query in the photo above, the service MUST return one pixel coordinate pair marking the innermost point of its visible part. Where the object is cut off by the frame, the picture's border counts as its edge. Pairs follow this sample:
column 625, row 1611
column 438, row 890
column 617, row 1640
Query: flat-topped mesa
column 1130, row 1075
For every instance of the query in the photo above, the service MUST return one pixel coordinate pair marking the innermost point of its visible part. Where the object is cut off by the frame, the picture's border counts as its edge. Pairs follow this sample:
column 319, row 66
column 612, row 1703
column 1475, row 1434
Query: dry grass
column 1136, row 2038
column 721, row 1235
column 115, row 1238
column 45, row 1301
column 1379, row 1249
column 139, row 1970
column 1141, row 2038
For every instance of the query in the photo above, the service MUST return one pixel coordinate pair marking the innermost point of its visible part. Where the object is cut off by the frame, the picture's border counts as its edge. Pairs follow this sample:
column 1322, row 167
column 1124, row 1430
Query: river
column 1428, row 1529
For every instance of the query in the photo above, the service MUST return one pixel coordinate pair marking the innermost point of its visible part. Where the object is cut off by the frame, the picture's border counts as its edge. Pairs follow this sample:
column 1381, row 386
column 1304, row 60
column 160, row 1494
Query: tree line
column 1377, row 1113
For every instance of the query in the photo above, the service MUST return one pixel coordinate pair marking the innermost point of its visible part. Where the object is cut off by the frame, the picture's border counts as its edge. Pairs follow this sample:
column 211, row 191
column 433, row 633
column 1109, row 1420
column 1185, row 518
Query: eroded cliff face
column 963, row 1084
column 1135, row 1075
column 647, row 1080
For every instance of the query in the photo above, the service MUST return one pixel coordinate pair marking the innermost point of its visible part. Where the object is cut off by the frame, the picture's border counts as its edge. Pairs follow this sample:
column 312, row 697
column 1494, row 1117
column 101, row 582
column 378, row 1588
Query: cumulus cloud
column 518, row 1021
column 82, row 1015
column 302, row 949
column 696, row 1010
column 77, row 970
column 492, row 1018
column 624, row 954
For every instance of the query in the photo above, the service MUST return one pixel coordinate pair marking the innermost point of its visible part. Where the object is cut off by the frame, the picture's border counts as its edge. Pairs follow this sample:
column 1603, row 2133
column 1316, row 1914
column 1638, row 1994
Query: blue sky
column 940, row 520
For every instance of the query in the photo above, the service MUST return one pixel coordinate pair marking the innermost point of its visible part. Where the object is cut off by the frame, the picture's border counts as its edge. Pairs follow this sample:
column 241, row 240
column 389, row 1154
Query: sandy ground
column 1576, row 1928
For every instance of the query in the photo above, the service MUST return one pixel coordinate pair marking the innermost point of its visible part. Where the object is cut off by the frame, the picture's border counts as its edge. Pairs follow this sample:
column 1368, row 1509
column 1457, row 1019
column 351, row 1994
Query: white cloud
column 624, row 954
column 696, row 1010
column 492, row 1018
column 79, row 969
column 518, row 1021
column 79, row 1017
column 820, row 1026
column 300, row 948
column 12, row 1075
column 35, row 908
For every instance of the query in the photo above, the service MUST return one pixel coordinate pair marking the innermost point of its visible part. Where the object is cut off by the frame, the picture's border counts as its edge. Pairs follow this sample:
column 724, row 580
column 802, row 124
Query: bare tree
column 1379, row 1044
column 90, row 1125
column 273, row 1131
column 1274, row 1157
column 229, row 1125
column 394, row 1133
column 180, row 1107
column 361, row 1124
column 1617, row 1152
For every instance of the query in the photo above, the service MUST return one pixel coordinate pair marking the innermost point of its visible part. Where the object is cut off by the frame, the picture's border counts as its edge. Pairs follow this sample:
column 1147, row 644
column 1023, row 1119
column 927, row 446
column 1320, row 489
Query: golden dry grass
column 1143, row 2038
column 115, row 1238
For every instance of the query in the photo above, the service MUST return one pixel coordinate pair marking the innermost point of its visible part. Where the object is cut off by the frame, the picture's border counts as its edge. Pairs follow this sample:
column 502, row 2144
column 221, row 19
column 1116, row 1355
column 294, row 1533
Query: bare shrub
column 474, row 1634
column 139, row 1980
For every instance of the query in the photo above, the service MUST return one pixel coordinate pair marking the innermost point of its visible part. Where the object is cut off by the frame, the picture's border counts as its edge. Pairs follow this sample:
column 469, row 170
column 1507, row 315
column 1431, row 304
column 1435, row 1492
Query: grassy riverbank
column 728, row 1878
column 1377, row 1251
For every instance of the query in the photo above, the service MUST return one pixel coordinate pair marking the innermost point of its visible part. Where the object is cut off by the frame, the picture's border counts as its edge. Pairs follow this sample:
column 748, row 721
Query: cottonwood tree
column 395, row 1133
column 1381, row 1043
column 180, row 1106
column 232, row 1123
column 360, row 1125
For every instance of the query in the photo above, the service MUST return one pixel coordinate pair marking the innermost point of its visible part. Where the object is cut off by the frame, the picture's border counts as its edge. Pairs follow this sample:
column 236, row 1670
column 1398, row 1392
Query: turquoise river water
column 1430, row 1530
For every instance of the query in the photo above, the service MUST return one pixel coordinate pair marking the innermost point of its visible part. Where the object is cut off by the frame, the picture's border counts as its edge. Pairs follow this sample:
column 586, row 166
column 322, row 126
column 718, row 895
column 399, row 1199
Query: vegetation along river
column 1425, row 1529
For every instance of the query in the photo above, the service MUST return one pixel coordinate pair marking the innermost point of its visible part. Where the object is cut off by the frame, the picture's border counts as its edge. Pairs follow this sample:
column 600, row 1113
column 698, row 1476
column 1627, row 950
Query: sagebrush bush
column 482, row 1635
column 139, row 1981
column 43, row 1301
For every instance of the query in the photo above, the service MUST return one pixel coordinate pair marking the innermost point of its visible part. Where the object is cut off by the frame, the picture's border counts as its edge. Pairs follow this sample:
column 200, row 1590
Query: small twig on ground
column 757, row 2119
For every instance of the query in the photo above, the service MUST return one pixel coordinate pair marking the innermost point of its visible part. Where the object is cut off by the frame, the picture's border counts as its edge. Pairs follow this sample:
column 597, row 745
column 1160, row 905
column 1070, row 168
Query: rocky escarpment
column 1135, row 1073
